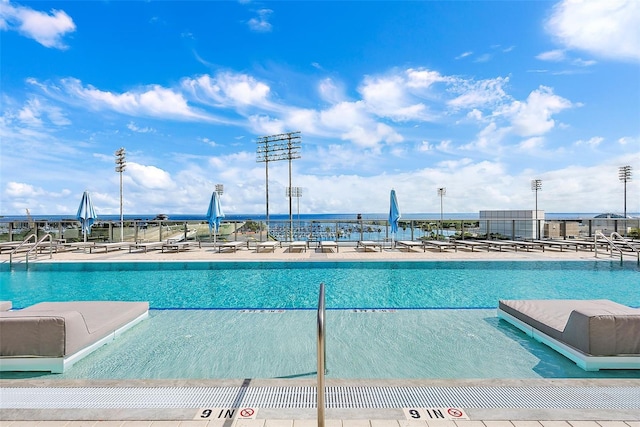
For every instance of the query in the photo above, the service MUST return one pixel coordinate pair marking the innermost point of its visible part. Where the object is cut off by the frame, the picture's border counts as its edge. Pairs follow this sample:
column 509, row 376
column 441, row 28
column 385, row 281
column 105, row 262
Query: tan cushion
column 5, row 305
column 595, row 327
column 55, row 329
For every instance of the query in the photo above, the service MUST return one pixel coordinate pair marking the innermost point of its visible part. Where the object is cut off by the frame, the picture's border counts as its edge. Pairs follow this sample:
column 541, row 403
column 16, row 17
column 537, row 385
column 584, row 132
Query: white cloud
column 387, row 97
column 151, row 101
column 532, row 144
column 149, row 177
column 488, row 138
column 48, row 29
column 423, row 78
column 628, row 140
column 30, row 115
column 304, row 120
column 464, row 55
column 608, row 29
column 20, row 189
column 591, row 142
column 330, row 91
column 261, row 22
column 351, row 121
column 534, row 116
column 209, row 142
column 135, row 128
column 479, row 93
column 228, row 89
column 484, row 58
column 556, row 55
column 36, row 112
column 425, row 146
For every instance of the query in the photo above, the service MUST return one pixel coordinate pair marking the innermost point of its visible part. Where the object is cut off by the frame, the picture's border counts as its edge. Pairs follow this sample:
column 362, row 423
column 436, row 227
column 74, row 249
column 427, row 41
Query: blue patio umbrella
column 394, row 213
column 214, row 214
column 86, row 214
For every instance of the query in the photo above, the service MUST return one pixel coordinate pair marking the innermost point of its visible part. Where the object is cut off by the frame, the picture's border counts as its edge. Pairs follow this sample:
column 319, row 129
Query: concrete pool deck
column 560, row 403
column 346, row 251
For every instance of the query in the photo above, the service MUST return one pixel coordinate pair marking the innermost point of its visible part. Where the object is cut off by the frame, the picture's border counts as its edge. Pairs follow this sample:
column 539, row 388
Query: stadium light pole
column 624, row 173
column 285, row 146
column 442, row 191
column 297, row 193
column 536, row 185
column 121, row 164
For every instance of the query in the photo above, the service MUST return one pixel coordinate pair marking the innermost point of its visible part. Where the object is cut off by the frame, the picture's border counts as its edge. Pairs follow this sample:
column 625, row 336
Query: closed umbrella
column 394, row 214
column 214, row 214
column 86, row 214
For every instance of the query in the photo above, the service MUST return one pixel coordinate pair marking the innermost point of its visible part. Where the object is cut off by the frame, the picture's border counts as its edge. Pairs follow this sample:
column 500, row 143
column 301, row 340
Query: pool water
column 294, row 285
column 384, row 320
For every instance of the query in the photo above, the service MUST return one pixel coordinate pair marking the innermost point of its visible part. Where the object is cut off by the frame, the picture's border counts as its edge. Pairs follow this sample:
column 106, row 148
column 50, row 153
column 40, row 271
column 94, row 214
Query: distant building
column 511, row 224
column 561, row 229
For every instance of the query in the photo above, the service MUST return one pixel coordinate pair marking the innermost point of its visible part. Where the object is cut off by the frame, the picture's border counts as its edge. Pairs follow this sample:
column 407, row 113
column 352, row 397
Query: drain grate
column 335, row 397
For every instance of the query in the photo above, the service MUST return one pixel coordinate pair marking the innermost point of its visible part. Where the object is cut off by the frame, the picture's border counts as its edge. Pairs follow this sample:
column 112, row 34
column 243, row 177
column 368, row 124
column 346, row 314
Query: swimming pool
column 385, row 319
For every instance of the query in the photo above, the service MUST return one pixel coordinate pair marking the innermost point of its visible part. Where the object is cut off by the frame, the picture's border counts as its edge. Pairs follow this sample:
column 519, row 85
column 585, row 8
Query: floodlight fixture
column 121, row 164
column 272, row 148
column 536, row 185
column 624, row 173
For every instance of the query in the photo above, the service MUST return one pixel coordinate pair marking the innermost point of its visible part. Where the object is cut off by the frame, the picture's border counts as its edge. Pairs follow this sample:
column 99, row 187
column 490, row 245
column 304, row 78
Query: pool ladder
column 33, row 248
column 617, row 243
column 322, row 356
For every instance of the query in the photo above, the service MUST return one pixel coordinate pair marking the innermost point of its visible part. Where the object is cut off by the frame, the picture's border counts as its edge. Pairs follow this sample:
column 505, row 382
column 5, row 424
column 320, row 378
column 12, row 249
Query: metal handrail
column 322, row 355
column 615, row 236
column 35, row 247
column 24, row 242
column 612, row 244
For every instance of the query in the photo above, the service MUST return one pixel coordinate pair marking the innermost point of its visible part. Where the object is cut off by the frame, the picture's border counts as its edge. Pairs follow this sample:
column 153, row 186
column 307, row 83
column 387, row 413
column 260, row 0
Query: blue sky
column 478, row 97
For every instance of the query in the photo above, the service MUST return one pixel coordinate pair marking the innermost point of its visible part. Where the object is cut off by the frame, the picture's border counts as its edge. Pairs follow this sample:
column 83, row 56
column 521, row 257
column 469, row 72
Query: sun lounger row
column 232, row 246
column 268, row 246
column 595, row 334
column 366, row 244
column 299, row 244
column 52, row 336
column 328, row 244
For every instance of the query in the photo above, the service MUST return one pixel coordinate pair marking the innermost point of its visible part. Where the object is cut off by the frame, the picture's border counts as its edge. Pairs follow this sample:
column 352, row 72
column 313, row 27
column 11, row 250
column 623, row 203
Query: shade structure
column 394, row 213
column 86, row 214
column 214, row 214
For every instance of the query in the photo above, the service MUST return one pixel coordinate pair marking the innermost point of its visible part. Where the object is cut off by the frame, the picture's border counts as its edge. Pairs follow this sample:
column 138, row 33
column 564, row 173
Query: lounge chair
column 269, row 245
column 524, row 244
column 410, row 244
column 299, row 244
column 595, row 334
column 499, row 244
column 109, row 246
column 175, row 246
column 472, row 244
column 52, row 336
column 441, row 245
column 562, row 244
column 328, row 244
column 145, row 246
column 232, row 246
column 365, row 244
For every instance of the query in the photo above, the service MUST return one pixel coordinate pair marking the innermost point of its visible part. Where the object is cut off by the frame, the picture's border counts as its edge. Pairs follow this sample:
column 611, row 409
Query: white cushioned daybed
column 52, row 336
column 595, row 334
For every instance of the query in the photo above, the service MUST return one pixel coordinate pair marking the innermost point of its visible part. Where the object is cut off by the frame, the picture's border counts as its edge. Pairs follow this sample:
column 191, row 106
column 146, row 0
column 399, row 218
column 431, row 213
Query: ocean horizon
column 301, row 217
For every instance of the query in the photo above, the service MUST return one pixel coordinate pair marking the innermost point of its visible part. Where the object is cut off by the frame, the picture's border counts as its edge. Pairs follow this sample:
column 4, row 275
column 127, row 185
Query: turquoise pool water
column 294, row 285
column 385, row 319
